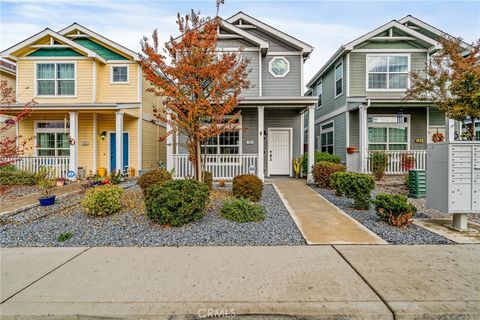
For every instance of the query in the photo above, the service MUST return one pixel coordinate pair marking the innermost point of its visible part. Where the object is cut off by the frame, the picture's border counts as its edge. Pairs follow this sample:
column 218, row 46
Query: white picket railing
column 222, row 166
column 32, row 164
column 398, row 158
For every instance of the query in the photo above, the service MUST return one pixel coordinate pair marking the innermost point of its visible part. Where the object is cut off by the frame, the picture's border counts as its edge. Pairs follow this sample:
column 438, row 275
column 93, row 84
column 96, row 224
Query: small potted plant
column 60, row 182
column 297, row 166
column 46, row 184
column 351, row 150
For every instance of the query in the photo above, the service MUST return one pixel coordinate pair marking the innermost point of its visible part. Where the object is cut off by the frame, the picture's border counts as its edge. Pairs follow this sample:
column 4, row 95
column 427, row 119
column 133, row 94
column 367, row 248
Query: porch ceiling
column 290, row 103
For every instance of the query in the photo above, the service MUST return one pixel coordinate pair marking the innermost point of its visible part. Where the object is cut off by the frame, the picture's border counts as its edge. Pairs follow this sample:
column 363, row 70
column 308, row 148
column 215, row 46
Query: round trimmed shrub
column 153, row 177
column 357, row 186
column 394, row 209
column 177, row 202
column 103, row 200
column 247, row 186
column 323, row 170
column 319, row 156
column 242, row 210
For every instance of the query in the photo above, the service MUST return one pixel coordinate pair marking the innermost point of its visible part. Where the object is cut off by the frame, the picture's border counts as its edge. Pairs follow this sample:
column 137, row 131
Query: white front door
column 279, row 151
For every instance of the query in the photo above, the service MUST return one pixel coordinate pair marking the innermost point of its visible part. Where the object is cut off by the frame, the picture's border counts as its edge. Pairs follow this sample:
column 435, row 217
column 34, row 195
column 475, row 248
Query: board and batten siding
column 358, row 74
column 27, row 86
column 289, row 85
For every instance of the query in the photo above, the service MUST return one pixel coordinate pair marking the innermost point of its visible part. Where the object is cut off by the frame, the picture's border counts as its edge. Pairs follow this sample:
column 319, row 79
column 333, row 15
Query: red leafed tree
column 8, row 145
column 200, row 85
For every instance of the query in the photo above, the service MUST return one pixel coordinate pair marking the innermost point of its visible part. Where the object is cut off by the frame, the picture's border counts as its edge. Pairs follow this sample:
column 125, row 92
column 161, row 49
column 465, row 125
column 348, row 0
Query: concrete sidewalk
column 320, row 221
column 315, row 282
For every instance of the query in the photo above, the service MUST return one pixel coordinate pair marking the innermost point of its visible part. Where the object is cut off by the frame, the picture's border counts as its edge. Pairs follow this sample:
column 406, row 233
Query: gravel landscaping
column 12, row 192
column 413, row 234
column 41, row 226
column 394, row 185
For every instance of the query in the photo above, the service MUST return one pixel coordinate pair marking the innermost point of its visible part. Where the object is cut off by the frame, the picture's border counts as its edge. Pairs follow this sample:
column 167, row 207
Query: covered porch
column 77, row 143
column 399, row 129
column 265, row 142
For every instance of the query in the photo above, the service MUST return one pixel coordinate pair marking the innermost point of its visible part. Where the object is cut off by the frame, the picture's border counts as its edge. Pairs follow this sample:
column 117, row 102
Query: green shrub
column 247, row 186
column 379, row 164
column 9, row 176
column 153, row 177
column 103, row 200
column 357, row 186
column 394, row 208
column 319, row 156
column 64, row 236
column 323, row 170
column 8, row 167
column 242, row 210
column 335, row 180
column 177, row 202
column 208, row 179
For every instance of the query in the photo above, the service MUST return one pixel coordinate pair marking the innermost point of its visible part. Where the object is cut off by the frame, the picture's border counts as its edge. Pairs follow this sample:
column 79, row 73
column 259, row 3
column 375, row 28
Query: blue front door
column 113, row 151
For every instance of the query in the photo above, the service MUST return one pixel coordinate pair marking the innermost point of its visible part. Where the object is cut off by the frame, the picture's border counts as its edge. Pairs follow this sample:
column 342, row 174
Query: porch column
column 169, row 141
column 94, row 144
column 73, row 165
column 449, row 129
column 302, row 138
column 311, row 142
column 119, row 141
column 261, row 129
column 362, row 150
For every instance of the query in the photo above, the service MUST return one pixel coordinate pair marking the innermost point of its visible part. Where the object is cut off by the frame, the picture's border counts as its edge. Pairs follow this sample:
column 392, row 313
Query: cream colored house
column 92, row 109
column 7, row 74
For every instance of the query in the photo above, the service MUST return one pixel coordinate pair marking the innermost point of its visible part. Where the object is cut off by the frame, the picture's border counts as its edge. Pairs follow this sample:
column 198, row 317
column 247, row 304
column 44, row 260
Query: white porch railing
column 222, row 166
column 398, row 158
column 32, row 164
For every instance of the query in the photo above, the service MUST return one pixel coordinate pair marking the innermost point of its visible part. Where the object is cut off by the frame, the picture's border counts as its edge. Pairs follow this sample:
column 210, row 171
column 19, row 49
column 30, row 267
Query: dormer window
column 119, row 74
column 279, row 67
column 55, row 79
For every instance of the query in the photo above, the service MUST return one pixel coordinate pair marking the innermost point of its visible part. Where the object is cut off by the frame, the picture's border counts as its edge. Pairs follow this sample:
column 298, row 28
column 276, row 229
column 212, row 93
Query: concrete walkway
column 314, row 282
column 31, row 200
column 319, row 220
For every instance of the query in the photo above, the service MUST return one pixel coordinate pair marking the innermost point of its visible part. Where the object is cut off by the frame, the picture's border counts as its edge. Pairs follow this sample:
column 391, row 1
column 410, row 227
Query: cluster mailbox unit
column 453, row 179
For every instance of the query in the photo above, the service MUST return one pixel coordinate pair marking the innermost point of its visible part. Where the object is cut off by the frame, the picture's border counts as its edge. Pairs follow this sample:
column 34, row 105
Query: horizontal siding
column 354, row 129
column 339, row 135
column 436, row 117
column 150, row 102
column 286, row 86
column 253, row 75
column 358, row 74
column 116, row 93
column 26, row 82
column 153, row 150
column 250, row 129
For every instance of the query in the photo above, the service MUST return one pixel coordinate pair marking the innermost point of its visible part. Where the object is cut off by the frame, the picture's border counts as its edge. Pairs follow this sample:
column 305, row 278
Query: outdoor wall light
column 103, row 135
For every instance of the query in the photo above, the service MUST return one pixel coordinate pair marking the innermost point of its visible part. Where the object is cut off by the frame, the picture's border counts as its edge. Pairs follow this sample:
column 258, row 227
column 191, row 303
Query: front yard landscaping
column 67, row 224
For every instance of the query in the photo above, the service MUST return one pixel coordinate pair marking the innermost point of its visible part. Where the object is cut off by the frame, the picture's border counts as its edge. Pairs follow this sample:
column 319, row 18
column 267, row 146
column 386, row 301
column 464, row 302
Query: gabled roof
column 76, row 26
column 7, row 53
column 306, row 48
column 247, row 35
column 351, row 45
column 428, row 27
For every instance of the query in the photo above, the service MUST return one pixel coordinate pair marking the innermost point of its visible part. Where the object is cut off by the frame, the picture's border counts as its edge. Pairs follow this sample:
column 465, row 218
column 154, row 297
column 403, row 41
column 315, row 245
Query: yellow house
column 92, row 109
column 7, row 74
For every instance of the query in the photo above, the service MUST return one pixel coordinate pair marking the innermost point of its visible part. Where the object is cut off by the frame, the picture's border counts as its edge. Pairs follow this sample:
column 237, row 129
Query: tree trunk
column 198, row 159
column 472, row 129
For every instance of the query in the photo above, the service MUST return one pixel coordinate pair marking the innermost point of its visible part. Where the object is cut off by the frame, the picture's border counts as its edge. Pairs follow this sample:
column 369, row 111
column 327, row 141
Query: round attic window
column 279, row 67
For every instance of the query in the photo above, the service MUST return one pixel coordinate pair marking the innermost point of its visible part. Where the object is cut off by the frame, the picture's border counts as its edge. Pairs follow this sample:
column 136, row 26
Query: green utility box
column 417, row 183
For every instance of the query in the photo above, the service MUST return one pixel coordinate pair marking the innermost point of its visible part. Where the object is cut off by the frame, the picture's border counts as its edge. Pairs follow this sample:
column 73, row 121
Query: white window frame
column 37, row 130
column 55, row 79
column 367, row 56
column 335, row 79
column 270, row 66
column 119, row 82
column 331, row 129
column 320, row 88
column 389, row 125
column 238, row 128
